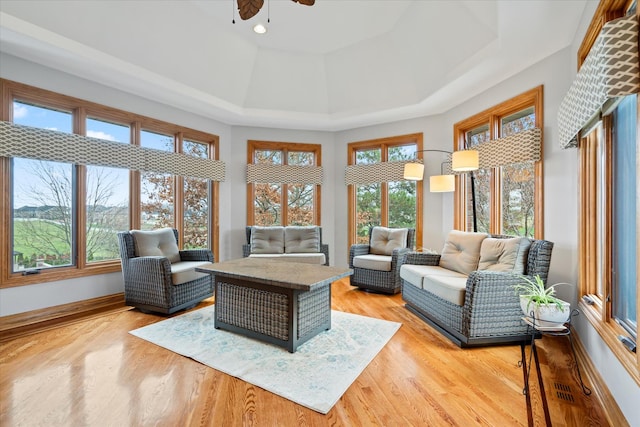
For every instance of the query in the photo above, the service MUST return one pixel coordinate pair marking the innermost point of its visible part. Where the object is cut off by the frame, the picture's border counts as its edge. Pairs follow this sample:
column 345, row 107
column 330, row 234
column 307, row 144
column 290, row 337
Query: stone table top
column 284, row 274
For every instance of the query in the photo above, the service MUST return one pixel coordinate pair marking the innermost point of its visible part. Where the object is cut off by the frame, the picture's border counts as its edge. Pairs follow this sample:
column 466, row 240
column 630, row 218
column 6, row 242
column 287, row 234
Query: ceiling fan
column 249, row 8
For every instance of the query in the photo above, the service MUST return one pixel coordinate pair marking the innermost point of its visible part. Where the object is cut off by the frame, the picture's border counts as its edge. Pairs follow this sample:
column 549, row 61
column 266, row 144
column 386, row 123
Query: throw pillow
column 301, row 239
column 508, row 255
column 384, row 240
column 267, row 240
column 461, row 251
column 161, row 242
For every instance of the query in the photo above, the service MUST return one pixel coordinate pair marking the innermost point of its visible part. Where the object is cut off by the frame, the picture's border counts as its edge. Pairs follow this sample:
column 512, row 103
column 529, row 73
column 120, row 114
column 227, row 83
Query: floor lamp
column 461, row 161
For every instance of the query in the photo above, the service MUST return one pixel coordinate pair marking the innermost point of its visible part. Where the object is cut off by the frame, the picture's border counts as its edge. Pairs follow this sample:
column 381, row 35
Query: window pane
column 367, row 157
column 196, row 201
column 402, row 204
column 107, row 211
column 267, row 204
column 478, row 185
column 477, row 136
column 300, row 204
column 43, row 214
column 625, row 236
column 368, row 209
column 196, row 213
column 518, row 199
column 300, row 158
column 518, row 181
column 481, row 180
column 43, row 118
column 156, row 189
column 42, row 198
column 401, row 152
column 157, row 200
column 155, row 140
column 268, row 157
column 97, row 128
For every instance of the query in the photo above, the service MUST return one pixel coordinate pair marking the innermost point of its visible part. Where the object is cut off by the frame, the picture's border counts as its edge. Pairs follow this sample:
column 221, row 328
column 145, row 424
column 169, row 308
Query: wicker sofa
column 475, row 306
column 157, row 276
column 290, row 243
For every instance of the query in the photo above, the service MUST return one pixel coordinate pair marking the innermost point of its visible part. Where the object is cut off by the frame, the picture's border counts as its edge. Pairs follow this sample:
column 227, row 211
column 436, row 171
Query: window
column 277, row 202
column 394, row 204
column 62, row 218
column 608, row 234
column 508, row 199
column 608, row 214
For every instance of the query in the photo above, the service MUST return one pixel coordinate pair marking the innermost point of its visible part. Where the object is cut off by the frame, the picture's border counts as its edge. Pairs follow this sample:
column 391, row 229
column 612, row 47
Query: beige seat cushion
column 308, row 258
column 452, row 289
column 508, row 255
column 299, row 239
column 461, row 251
column 184, row 271
column 267, row 240
column 415, row 274
column 384, row 240
column 161, row 242
column 373, row 262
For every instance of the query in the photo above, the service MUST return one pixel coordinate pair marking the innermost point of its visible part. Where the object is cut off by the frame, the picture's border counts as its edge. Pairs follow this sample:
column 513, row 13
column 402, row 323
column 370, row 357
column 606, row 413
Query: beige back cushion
column 161, row 242
column 461, row 251
column 267, row 240
column 298, row 239
column 384, row 240
column 508, row 255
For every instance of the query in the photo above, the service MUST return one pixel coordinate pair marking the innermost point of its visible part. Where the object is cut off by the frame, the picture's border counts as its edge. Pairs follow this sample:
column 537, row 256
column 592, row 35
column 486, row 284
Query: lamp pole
column 473, row 202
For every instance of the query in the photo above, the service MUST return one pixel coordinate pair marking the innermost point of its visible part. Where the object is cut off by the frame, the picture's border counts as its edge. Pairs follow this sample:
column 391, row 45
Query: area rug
column 315, row 376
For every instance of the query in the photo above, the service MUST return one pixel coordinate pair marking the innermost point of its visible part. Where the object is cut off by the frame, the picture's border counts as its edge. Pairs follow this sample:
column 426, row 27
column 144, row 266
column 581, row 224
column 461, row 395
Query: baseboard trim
column 31, row 322
column 598, row 386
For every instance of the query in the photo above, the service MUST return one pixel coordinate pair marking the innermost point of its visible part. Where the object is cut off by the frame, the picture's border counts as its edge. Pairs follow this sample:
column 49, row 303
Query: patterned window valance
column 377, row 172
column 43, row 144
column 516, row 148
column 284, row 174
column 610, row 70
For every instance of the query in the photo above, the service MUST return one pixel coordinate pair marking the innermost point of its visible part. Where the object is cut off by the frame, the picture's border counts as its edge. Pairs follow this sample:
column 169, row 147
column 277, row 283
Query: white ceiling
column 336, row 65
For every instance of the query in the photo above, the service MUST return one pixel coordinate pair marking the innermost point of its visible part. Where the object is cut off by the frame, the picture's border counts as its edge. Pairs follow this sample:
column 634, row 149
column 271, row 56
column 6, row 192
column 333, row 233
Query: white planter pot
column 546, row 313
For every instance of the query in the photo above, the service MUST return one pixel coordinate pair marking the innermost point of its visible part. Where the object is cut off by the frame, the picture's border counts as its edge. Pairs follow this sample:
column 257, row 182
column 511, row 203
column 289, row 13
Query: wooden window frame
column 285, row 147
column 384, row 144
column 598, row 309
column 492, row 116
column 81, row 109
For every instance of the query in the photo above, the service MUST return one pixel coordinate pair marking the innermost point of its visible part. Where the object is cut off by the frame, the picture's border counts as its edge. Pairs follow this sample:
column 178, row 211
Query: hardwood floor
column 94, row 373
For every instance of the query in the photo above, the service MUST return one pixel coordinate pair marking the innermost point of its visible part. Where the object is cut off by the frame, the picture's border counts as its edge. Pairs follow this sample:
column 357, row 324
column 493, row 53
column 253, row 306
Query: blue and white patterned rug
column 315, row 376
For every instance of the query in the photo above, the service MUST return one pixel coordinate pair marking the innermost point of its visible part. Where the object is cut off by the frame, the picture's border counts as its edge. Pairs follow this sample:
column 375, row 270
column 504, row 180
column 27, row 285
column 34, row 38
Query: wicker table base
column 282, row 303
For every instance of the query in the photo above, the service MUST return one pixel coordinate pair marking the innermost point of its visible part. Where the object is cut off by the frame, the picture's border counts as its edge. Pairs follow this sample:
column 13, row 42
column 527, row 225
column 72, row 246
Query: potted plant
column 540, row 302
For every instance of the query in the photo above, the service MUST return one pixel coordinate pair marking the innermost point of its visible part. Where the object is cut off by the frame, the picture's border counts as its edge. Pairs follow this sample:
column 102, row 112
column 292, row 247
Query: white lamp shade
column 465, row 160
column 414, row 171
column 442, row 183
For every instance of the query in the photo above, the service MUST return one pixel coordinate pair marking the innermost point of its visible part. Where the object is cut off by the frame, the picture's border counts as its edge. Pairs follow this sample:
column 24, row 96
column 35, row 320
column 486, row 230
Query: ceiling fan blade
column 249, row 8
column 305, row 2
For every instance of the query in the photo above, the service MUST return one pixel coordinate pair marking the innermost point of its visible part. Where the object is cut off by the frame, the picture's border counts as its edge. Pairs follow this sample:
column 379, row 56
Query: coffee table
column 279, row 302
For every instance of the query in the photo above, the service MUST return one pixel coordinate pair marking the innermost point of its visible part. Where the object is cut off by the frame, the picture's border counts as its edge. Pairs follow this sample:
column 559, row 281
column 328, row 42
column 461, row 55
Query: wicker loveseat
column 466, row 292
column 157, row 276
column 290, row 243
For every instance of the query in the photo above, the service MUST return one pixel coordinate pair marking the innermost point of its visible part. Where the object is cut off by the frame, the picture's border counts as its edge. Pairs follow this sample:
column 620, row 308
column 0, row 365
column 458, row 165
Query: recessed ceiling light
column 259, row 29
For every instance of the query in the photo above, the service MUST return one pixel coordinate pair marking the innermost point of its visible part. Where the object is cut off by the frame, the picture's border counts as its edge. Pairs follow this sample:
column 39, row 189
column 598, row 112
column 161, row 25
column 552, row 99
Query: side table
column 536, row 329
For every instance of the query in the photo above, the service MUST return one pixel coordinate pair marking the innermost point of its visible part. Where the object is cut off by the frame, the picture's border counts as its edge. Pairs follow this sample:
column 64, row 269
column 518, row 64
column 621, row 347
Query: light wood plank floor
column 93, row 373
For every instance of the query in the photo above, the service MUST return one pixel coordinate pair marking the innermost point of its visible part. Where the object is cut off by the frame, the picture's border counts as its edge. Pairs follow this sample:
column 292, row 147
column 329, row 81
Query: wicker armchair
column 491, row 312
column 379, row 270
column 166, row 281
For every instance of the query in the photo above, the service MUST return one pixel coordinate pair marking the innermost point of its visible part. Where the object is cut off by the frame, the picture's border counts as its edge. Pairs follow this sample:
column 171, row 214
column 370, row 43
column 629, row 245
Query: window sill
column 609, row 332
column 55, row 274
